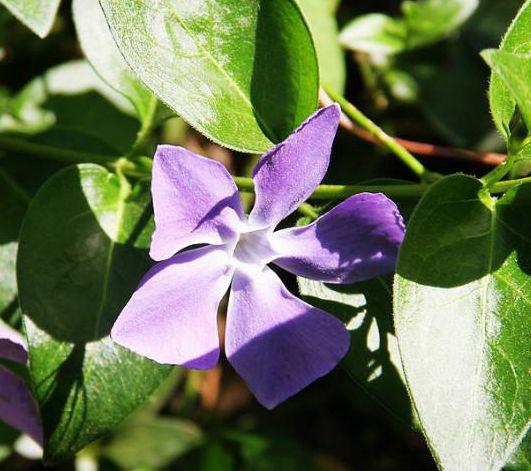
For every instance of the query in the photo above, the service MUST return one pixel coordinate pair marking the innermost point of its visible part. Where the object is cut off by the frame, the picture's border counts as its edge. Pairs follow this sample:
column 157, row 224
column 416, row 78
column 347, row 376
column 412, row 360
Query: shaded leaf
column 73, row 97
column 462, row 321
column 217, row 64
column 81, row 254
column 152, row 443
column 373, row 360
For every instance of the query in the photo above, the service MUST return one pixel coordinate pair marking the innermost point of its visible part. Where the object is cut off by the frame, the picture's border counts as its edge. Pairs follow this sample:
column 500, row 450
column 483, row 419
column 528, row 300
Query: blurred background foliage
column 415, row 69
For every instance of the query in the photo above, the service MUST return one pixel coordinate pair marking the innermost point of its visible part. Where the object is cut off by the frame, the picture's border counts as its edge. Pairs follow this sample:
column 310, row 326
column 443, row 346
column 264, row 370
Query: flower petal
column 356, row 240
column 276, row 342
column 17, row 406
column 172, row 316
column 12, row 345
column 195, row 201
column 287, row 175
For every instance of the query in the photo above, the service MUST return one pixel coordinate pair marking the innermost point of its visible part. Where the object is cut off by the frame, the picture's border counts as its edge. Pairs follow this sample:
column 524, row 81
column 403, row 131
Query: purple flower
column 17, row 406
column 276, row 342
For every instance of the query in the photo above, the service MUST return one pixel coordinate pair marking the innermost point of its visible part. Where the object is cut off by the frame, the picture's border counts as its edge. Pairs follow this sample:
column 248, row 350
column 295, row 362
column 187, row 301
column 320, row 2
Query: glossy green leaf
column 82, row 251
column 322, row 22
column 153, row 442
column 373, row 361
column 37, row 15
column 243, row 73
column 516, row 41
column 103, row 54
column 374, row 33
column 20, row 178
column 462, row 297
column 515, row 73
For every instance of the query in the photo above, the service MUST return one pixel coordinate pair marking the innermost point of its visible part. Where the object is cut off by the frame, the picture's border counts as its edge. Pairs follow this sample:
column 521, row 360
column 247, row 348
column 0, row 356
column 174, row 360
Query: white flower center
column 253, row 249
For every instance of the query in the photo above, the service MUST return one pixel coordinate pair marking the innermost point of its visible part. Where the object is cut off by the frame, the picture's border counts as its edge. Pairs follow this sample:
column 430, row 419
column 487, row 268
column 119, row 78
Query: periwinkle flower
column 276, row 342
column 17, row 406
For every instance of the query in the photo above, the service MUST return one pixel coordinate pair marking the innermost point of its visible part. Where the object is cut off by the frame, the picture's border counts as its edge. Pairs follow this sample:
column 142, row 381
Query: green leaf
column 322, row 22
column 514, row 71
column 152, row 442
column 521, row 459
column 103, row 54
column 13, row 203
column 429, row 21
column 373, row 361
column 374, row 33
column 82, row 252
column 243, row 73
column 37, row 15
column 462, row 320
column 451, row 92
column 516, row 41
column 423, row 23
column 56, row 98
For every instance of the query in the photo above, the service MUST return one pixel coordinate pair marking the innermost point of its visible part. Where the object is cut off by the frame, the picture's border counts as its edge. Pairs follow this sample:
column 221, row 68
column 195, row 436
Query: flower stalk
column 382, row 137
column 140, row 167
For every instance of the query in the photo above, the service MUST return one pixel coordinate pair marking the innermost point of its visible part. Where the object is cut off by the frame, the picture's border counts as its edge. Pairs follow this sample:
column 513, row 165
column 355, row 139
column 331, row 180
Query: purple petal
column 276, row 342
column 195, row 202
column 12, row 345
column 17, row 406
column 172, row 316
column 356, row 240
column 287, row 175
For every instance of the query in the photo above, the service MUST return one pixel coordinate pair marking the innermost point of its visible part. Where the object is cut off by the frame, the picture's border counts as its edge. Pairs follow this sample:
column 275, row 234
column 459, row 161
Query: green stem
column 336, row 192
column 41, row 151
column 141, row 168
column 146, row 129
column 363, row 121
column 308, row 210
column 503, row 186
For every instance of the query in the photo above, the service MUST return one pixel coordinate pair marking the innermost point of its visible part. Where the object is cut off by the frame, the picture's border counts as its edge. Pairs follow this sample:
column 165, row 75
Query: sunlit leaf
column 243, row 73
column 462, row 320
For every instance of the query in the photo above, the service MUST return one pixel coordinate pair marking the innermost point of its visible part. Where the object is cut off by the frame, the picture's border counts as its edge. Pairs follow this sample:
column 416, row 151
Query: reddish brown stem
column 419, row 148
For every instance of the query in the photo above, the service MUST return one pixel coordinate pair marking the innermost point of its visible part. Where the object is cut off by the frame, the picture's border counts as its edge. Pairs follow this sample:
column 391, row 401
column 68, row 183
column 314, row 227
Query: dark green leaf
column 521, row 459
column 244, row 73
column 154, row 442
column 321, row 19
column 451, row 91
column 462, row 320
column 13, row 203
column 37, row 15
column 373, row 360
column 81, row 254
